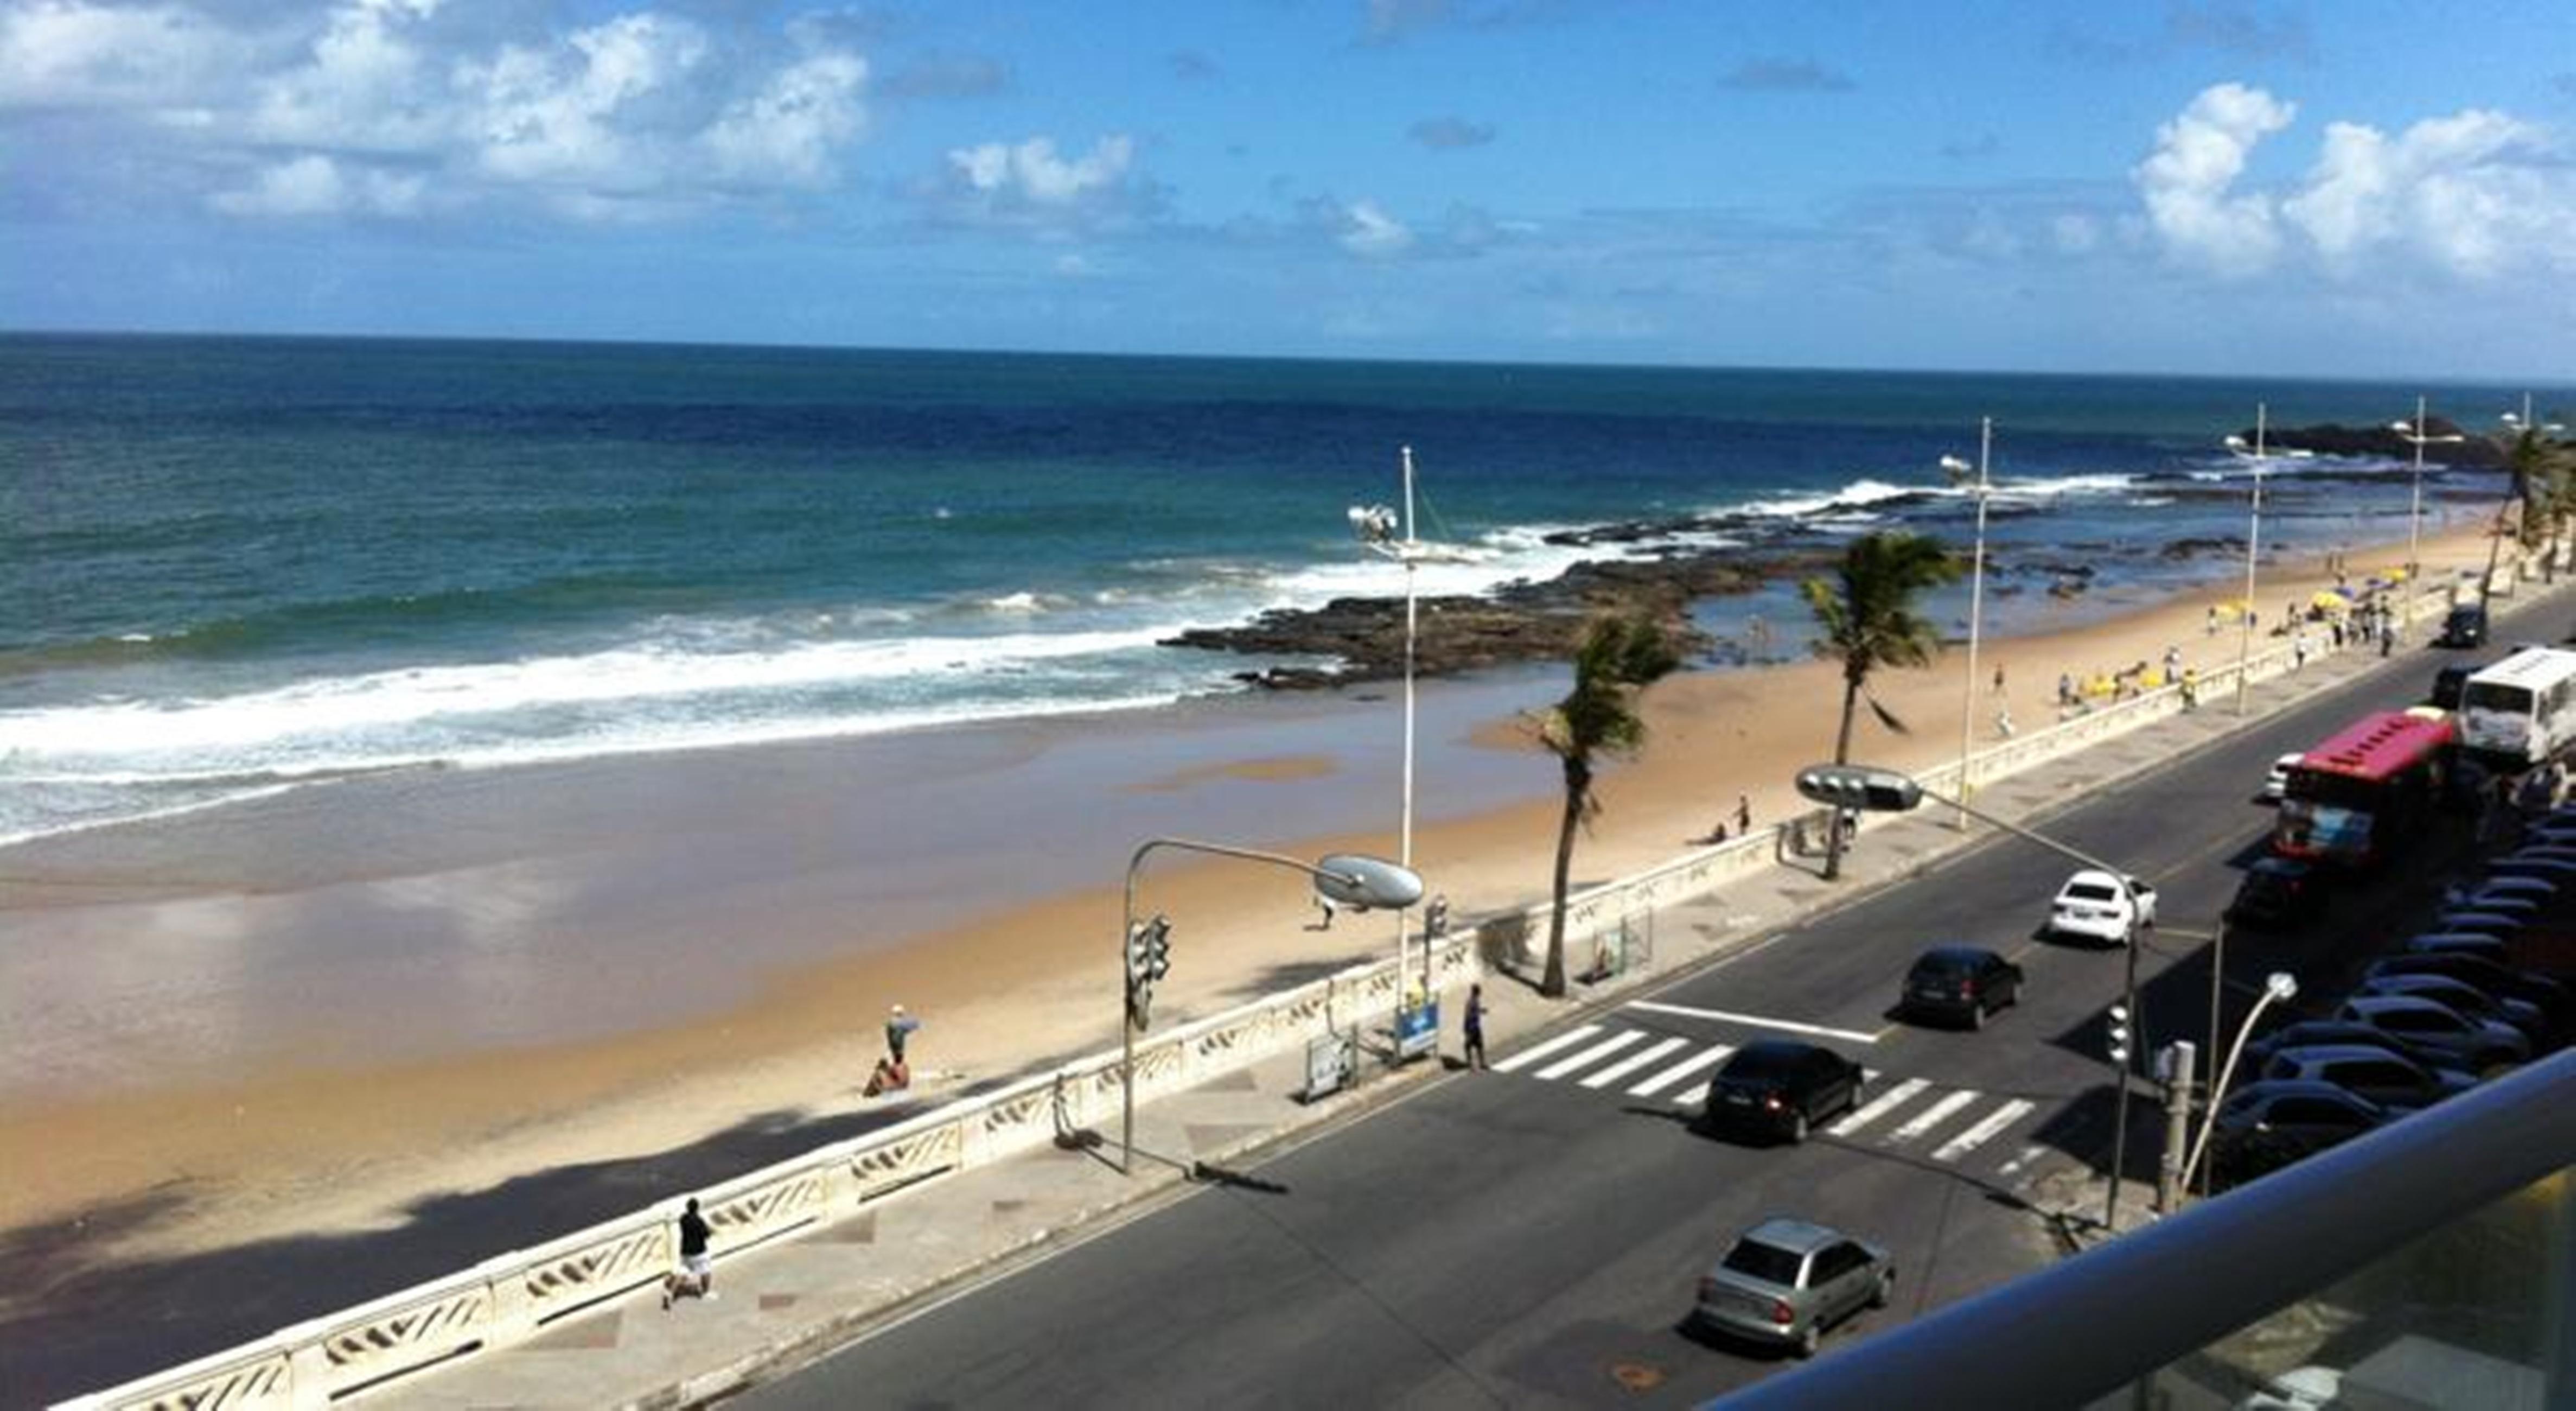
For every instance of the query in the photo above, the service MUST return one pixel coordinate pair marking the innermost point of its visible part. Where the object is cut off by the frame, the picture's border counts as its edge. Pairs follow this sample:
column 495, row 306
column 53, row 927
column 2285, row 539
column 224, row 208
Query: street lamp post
column 1982, row 487
column 1377, row 527
column 2278, row 987
column 1892, row 791
column 1348, row 879
column 2260, row 457
column 2414, row 432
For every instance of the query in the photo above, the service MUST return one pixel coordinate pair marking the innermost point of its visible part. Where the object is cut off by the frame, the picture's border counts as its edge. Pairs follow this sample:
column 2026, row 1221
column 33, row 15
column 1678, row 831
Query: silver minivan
column 1785, row 1281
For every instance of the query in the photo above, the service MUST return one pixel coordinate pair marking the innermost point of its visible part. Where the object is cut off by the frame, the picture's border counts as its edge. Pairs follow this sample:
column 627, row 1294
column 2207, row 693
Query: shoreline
column 330, row 1134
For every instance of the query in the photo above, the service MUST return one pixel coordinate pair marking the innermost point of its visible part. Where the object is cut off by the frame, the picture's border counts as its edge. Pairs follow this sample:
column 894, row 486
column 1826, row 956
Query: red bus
column 2362, row 796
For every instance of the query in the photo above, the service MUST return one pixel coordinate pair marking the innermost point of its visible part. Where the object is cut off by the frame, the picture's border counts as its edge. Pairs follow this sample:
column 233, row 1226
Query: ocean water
column 236, row 566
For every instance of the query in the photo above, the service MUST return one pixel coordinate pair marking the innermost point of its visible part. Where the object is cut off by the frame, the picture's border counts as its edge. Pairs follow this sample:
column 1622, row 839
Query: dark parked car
column 2265, row 1126
column 1782, row 1087
column 2310, row 1033
column 1965, row 983
column 2475, row 921
column 2450, row 680
column 2483, row 1046
column 2484, row 947
column 2468, row 999
column 2388, row 1079
column 2464, row 626
column 1785, row 1281
column 2554, row 1001
column 2278, row 893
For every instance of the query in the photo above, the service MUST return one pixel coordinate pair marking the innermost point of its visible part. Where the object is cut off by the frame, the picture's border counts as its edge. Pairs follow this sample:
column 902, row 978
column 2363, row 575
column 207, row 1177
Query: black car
column 2464, row 626
column 2267, row 1125
column 2466, row 920
column 2389, row 1079
column 2557, row 1005
column 2309, row 1033
column 1965, row 983
column 2451, row 680
column 2278, row 893
column 2463, row 997
column 1782, row 1087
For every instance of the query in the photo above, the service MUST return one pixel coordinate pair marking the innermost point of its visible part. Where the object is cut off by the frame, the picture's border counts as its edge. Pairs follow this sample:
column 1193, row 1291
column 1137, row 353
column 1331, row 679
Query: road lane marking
column 1632, row 1063
column 1697, row 1063
column 1878, row 1107
column 2029, row 1154
column 1983, row 1132
column 1535, row 1052
column 1757, row 1021
column 1934, row 1115
column 1591, row 1055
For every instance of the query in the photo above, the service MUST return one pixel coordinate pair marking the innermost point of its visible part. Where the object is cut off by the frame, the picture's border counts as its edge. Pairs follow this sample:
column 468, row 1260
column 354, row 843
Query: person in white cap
column 899, row 1027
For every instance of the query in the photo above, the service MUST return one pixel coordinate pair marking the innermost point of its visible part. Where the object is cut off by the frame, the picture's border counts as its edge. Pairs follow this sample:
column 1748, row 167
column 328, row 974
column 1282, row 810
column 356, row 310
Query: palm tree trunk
column 1578, row 787
column 1842, row 755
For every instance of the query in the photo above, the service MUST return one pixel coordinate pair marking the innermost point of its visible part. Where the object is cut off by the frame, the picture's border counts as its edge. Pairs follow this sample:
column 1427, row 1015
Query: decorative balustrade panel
column 913, row 1156
column 399, row 1338
column 261, row 1378
column 621, row 1257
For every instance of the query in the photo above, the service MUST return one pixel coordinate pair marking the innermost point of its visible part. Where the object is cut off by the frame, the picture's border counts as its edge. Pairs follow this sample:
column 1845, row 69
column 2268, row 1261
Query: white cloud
column 64, row 54
column 1029, row 184
column 2186, row 181
column 1371, row 232
column 2471, row 195
column 789, row 131
column 315, row 185
column 414, row 106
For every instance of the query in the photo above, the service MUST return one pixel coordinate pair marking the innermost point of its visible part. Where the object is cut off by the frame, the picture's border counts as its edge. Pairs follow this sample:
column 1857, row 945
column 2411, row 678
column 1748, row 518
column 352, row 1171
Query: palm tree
column 1866, row 619
column 1618, row 657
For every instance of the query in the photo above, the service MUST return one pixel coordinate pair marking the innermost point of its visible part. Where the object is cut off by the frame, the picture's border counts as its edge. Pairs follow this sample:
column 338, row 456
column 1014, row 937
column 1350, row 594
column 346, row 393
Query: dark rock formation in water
column 1520, row 622
column 2329, row 439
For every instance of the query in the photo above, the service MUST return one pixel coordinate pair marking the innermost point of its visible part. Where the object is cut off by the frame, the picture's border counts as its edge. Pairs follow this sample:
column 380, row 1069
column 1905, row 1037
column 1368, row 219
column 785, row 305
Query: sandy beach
column 316, row 1011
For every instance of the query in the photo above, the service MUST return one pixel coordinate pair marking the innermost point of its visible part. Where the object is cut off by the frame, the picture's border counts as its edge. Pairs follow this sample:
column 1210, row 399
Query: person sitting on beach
column 890, row 1075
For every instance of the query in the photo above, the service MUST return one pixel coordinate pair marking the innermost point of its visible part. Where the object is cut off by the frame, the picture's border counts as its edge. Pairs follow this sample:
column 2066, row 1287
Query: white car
column 2277, row 783
column 2097, row 906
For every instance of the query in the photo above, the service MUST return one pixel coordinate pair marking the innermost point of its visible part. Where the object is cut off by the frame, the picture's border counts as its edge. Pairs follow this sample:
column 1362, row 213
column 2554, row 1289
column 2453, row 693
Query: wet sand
column 313, row 1011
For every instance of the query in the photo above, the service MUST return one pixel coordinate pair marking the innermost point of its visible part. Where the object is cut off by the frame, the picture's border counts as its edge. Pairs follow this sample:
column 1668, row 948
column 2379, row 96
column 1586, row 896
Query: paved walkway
column 802, row 1295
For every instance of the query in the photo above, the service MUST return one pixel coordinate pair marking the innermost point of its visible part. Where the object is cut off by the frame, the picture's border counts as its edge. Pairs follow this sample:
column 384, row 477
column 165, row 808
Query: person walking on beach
column 899, row 1027
column 2209, row 624
column 696, row 1276
column 1743, row 815
column 1324, row 904
column 1474, row 1027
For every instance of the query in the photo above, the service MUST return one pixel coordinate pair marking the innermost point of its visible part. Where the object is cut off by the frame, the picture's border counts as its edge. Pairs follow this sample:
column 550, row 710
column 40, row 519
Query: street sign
column 1417, row 1030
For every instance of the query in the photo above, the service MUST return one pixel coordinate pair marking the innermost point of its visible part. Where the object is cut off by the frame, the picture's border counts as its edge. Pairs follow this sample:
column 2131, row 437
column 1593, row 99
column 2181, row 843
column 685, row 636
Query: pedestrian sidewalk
column 802, row 1294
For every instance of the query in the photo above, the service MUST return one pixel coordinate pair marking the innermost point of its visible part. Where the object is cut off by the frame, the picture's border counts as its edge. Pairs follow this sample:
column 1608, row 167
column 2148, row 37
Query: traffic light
column 2117, row 1033
column 1149, row 958
column 1858, row 786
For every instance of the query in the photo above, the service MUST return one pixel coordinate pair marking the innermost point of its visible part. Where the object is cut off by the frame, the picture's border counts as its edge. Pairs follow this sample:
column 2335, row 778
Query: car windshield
column 1766, row 1262
column 1944, row 967
column 2090, row 891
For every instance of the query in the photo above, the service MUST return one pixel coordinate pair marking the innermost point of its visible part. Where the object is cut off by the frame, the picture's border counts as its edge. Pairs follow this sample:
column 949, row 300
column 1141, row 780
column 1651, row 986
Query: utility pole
column 2175, row 1066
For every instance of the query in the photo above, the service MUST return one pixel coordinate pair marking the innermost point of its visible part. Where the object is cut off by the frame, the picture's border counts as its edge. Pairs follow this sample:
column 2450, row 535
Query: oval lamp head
column 1361, row 883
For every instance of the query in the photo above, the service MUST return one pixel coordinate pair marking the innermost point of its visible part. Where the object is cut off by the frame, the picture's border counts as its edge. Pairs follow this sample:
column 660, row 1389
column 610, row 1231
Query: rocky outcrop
column 1362, row 639
column 2329, row 439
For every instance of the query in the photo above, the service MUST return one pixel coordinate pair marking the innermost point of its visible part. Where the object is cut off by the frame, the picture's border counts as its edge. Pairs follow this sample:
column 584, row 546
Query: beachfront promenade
column 815, row 1248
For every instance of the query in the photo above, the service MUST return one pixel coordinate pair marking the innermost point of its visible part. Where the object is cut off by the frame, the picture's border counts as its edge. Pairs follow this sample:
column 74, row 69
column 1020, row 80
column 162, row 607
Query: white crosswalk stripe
column 1683, row 1071
column 1933, row 1116
column 1535, row 1052
column 1591, row 1055
column 1632, row 1063
column 1598, row 1057
column 1984, row 1132
column 1878, row 1107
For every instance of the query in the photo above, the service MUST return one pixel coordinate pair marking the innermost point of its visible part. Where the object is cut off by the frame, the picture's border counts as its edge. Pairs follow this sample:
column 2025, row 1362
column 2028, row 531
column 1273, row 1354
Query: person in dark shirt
column 696, row 1276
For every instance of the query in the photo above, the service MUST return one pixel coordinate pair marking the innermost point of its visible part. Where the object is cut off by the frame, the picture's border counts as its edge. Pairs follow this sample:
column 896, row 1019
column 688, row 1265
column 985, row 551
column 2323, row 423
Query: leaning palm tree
column 1865, row 619
column 1618, row 657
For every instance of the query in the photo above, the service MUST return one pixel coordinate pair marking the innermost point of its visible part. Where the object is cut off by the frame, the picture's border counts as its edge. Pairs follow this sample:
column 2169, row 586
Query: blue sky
column 2219, row 186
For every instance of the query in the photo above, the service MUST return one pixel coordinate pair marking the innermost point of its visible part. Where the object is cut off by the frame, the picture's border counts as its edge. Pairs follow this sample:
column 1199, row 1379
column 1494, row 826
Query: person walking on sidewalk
column 696, row 1276
column 1474, row 1027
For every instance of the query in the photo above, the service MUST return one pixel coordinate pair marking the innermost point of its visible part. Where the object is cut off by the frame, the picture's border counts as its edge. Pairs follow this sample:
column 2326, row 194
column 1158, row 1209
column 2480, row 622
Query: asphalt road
column 1531, row 1237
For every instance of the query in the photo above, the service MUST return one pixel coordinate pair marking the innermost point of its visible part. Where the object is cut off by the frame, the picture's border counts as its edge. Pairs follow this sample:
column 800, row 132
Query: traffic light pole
column 1132, row 1015
column 1888, row 791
